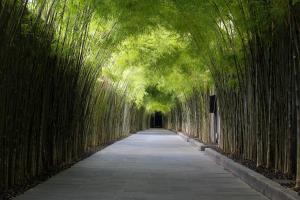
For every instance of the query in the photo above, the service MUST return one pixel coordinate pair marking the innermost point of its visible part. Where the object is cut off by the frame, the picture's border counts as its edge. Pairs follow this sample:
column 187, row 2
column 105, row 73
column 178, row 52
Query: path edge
column 258, row 182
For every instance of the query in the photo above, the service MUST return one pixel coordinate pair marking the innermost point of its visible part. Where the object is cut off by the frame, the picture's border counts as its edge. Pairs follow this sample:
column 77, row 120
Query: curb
column 190, row 140
column 257, row 181
column 194, row 142
column 208, row 146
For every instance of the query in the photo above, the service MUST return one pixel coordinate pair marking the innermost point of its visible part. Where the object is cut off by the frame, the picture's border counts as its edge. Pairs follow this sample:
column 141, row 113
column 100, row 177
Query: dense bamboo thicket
column 256, row 80
column 192, row 117
column 75, row 74
column 53, row 106
column 259, row 116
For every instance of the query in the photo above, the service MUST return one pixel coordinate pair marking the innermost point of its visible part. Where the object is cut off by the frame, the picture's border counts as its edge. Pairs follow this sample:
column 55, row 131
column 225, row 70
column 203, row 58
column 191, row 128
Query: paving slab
column 155, row 164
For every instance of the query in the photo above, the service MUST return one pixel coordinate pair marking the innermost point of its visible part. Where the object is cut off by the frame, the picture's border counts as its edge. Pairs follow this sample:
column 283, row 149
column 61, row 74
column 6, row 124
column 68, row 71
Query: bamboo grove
column 256, row 82
column 78, row 74
column 54, row 107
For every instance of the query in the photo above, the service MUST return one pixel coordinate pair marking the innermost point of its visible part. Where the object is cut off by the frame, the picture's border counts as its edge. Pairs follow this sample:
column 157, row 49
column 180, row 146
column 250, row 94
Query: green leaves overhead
column 158, row 67
column 173, row 46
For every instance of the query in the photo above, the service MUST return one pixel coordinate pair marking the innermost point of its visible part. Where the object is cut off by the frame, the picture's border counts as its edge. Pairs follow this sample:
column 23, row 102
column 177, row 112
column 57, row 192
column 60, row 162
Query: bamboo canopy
column 79, row 74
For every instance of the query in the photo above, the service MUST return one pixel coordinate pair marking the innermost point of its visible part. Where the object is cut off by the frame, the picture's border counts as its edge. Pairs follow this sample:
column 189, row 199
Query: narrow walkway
column 151, row 165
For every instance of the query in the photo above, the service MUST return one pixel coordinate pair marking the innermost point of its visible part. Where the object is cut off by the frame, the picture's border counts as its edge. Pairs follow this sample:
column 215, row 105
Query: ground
column 155, row 164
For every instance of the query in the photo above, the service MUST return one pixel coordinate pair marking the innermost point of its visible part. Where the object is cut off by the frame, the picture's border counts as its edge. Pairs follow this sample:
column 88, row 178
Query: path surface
column 151, row 165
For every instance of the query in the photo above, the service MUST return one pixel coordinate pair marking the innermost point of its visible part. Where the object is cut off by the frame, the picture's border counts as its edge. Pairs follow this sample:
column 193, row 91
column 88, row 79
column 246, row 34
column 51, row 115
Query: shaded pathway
column 154, row 164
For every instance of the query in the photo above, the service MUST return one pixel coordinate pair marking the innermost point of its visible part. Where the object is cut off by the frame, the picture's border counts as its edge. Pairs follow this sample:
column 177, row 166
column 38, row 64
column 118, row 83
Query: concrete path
column 151, row 165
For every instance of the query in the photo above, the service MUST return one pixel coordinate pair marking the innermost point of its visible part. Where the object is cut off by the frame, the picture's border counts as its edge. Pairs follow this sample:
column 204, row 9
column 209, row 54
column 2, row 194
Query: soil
column 284, row 180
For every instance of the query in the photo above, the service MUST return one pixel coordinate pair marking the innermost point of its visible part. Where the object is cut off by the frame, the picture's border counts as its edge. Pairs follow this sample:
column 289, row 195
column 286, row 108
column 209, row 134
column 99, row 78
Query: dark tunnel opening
column 156, row 120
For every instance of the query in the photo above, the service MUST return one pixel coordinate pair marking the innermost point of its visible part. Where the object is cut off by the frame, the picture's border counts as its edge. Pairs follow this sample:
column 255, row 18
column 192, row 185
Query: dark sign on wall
column 213, row 104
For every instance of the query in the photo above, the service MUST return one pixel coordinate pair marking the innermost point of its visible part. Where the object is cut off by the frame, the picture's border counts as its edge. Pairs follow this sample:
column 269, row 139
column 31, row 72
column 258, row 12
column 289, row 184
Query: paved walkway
column 151, row 165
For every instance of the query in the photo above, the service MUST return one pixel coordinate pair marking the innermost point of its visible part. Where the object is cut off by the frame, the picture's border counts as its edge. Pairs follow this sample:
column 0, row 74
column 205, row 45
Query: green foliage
column 175, row 46
column 73, row 72
column 158, row 66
